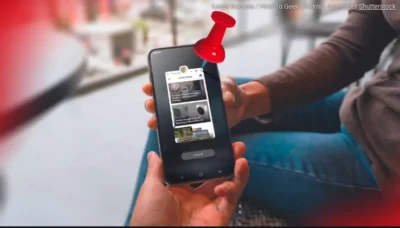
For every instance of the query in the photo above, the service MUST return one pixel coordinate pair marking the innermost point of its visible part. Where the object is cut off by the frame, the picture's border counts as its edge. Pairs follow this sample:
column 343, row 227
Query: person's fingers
column 155, row 173
column 230, row 191
column 152, row 123
column 149, row 105
column 239, row 150
column 228, row 97
column 148, row 89
column 228, row 86
column 238, row 182
column 226, row 189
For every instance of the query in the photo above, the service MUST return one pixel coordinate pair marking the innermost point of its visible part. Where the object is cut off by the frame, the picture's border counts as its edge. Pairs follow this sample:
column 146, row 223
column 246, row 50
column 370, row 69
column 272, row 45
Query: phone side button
column 198, row 154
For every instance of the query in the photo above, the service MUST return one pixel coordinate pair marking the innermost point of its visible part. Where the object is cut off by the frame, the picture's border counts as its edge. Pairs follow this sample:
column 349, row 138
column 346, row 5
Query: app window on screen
column 189, row 105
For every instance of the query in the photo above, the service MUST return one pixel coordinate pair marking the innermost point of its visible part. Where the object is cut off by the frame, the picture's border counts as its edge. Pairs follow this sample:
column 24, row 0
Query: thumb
column 155, row 171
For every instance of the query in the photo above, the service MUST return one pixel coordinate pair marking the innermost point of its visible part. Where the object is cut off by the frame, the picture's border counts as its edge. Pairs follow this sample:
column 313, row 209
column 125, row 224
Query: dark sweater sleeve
column 345, row 57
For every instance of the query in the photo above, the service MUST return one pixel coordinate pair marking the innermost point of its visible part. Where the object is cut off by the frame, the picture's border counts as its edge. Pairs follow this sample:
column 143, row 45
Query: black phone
column 193, row 133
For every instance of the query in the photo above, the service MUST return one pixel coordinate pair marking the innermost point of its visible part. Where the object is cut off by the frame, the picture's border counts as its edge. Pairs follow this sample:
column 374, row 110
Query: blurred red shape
column 210, row 48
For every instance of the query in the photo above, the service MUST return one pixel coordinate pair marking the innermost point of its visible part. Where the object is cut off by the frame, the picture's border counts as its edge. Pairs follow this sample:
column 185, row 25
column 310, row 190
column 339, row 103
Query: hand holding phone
column 158, row 205
column 193, row 132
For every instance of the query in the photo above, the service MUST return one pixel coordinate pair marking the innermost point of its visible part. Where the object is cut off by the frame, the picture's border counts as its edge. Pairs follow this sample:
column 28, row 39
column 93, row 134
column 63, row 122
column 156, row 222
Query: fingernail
column 225, row 78
column 150, row 156
column 229, row 95
column 145, row 105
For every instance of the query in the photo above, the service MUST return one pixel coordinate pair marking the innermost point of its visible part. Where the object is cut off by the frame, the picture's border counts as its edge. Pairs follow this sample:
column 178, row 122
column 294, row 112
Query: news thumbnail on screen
column 191, row 113
column 189, row 134
column 197, row 116
column 187, row 91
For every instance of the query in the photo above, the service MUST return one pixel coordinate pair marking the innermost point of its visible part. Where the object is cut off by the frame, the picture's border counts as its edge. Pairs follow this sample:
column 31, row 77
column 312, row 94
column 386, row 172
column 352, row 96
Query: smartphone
column 193, row 133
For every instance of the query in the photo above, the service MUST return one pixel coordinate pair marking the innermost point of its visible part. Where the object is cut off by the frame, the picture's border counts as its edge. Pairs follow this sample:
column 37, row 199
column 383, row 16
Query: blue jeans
column 300, row 163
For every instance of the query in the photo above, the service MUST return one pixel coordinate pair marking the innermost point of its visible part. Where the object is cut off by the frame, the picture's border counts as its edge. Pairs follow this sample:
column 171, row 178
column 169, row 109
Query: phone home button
column 198, row 154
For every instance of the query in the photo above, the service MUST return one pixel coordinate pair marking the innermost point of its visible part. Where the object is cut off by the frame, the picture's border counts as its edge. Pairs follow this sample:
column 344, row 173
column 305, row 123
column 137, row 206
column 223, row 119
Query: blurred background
column 76, row 163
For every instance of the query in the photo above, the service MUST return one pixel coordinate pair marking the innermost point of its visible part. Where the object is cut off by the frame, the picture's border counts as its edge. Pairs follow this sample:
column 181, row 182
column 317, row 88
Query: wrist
column 256, row 100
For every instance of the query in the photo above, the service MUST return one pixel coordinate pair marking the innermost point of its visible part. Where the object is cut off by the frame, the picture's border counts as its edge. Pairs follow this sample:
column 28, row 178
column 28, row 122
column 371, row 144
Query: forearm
column 354, row 49
column 316, row 75
column 320, row 73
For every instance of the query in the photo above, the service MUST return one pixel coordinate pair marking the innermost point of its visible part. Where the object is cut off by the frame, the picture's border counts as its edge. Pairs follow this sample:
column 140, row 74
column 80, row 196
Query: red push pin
column 210, row 48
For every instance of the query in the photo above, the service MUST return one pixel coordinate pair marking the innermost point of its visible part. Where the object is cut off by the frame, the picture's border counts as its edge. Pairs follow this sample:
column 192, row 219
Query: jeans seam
column 326, row 181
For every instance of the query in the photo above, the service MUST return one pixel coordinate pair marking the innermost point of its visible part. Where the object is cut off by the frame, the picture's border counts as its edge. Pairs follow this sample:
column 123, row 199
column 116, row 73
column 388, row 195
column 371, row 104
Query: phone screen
column 193, row 134
column 189, row 104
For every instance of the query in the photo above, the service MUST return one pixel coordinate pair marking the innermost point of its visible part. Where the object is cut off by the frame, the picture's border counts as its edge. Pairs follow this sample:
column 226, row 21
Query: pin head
column 223, row 19
column 210, row 48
